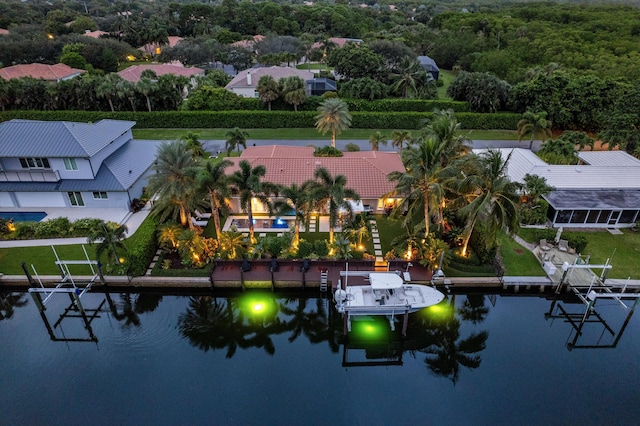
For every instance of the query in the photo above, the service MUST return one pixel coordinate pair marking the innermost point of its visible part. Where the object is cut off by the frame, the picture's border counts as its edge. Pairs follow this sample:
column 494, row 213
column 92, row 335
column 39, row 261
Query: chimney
column 248, row 78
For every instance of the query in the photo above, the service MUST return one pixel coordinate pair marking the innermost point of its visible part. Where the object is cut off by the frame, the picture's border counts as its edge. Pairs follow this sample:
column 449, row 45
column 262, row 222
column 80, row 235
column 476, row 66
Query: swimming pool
column 23, row 216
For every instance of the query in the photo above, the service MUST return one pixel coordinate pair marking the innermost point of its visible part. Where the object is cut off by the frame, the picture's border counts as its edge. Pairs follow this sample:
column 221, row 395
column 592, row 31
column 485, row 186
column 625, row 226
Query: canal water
column 256, row 358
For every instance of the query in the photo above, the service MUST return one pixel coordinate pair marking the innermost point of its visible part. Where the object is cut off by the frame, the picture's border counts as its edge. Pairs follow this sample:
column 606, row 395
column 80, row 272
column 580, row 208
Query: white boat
column 385, row 293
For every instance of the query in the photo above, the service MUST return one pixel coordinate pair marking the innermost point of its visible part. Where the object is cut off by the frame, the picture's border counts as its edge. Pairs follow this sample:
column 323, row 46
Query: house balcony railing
column 29, row 176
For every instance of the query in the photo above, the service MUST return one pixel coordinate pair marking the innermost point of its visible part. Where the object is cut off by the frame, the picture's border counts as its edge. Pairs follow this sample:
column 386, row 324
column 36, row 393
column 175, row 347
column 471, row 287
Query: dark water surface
column 265, row 359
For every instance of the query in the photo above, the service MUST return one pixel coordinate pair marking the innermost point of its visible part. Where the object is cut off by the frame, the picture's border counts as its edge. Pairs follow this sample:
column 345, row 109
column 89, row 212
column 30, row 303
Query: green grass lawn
column 623, row 250
column 304, row 133
column 43, row 259
column 518, row 260
column 446, row 77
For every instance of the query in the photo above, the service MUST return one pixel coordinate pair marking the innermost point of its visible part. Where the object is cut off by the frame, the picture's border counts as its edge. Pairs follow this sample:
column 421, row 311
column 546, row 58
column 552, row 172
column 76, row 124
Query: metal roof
column 608, row 158
column 32, row 138
column 594, row 199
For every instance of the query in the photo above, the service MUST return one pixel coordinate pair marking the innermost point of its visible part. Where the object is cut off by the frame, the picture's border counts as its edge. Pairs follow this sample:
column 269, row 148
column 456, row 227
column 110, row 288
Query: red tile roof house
column 4, row 31
column 245, row 83
column 57, row 72
column 366, row 171
column 156, row 48
column 133, row 72
column 95, row 34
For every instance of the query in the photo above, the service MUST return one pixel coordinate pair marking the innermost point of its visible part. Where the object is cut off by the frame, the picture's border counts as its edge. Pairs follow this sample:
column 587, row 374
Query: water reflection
column 10, row 301
column 128, row 309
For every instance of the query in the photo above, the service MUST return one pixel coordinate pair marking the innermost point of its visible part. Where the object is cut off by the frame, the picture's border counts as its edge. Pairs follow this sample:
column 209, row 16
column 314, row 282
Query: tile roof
column 151, row 47
column 366, row 171
column 31, row 138
column 133, row 72
column 249, row 43
column 4, row 31
column 55, row 72
column 95, row 34
column 277, row 73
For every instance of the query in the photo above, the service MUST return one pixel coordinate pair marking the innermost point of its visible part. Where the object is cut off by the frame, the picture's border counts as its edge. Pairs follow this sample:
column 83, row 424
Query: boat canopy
column 384, row 281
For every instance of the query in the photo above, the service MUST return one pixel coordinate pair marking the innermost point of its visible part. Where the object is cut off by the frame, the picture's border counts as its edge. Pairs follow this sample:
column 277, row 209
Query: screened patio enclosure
column 611, row 208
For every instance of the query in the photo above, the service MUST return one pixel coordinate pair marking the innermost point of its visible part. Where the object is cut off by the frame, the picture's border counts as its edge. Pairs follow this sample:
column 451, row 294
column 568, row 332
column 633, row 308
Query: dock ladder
column 324, row 280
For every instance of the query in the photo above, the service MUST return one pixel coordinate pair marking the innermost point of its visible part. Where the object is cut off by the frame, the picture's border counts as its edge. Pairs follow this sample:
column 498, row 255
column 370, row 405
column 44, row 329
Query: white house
column 245, row 82
column 67, row 164
column 603, row 191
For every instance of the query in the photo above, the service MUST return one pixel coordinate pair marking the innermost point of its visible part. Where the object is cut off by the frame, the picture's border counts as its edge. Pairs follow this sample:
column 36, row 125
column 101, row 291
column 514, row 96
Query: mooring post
column 241, row 279
column 37, row 299
column 405, row 323
column 27, row 273
column 101, row 274
column 346, row 321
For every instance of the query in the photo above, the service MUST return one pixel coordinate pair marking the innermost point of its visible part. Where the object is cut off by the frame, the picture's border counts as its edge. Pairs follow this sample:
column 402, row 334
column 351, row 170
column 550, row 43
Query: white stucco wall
column 84, row 169
column 41, row 199
column 5, row 200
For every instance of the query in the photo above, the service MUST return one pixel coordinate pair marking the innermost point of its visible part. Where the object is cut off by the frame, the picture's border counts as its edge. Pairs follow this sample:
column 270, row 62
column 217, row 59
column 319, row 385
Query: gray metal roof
column 31, row 138
column 594, row 199
column 608, row 158
column 428, row 62
column 113, row 175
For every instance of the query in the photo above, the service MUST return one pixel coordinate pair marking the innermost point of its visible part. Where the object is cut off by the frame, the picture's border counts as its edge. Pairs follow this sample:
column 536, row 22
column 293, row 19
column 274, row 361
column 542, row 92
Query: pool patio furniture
column 544, row 245
column 563, row 245
column 197, row 222
column 202, row 216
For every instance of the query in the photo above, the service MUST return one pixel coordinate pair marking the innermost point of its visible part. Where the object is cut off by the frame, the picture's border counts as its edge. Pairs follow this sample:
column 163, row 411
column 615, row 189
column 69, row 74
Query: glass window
column 579, row 216
column 628, row 216
column 75, row 198
column 23, row 163
column 592, row 217
column 100, row 195
column 70, row 164
column 34, row 163
column 563, row 216
column 604, row 216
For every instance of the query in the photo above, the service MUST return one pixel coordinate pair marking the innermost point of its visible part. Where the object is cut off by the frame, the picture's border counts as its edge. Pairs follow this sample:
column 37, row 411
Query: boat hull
column 364, row 300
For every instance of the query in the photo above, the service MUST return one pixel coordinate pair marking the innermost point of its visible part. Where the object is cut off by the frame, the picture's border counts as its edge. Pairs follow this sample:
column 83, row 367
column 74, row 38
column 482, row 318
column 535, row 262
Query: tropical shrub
column 141, row 247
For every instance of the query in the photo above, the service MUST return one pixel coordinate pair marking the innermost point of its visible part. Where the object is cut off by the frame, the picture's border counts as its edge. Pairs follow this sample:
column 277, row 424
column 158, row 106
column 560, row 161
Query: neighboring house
column 57, row 72
column 4, row 31
column 95, row 34
column 246, row 82
column 249, row 44
column 338, row 41
column 134, row 72
column 366, row 171
column 318, row 86
column 65, row 164
column 601, row 192
column 156, row 48
column 429, row 65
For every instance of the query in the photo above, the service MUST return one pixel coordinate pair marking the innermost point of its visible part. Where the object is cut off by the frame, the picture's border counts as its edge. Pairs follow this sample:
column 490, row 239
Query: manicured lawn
column 446, row 77
column 303, row 134
column 43, row 259
column 623, row 250
column 518, row 260
column 388, row 230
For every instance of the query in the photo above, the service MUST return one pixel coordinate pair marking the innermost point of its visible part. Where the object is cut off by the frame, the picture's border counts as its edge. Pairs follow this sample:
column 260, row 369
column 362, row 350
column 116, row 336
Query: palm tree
column 174, row 182
column 376, row 139
column 9, row 301
column 333, row 115
column 409, row 76
column 332, row 192
column 444, row 128
column 109, row 238
column 194, row 145
column 534, row 124
column 293, row 91
column 235, row 139
column 297, row 198
column 213, row 179
column 399, row 137
column 146, row 86
column 168, row 235
column 108, row 88
column 247, row 184
column 489, row 196
column 358, row 229
column 232, row 244
column 268, row 89
column 422, row 185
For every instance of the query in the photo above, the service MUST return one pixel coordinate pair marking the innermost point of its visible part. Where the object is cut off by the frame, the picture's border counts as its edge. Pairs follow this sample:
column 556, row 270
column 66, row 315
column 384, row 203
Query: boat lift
column 67, row 285
column 589, row 295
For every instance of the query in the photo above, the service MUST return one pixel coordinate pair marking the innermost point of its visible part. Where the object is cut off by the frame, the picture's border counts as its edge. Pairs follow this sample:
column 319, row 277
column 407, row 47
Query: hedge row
column 404, row 105
column 142, row 246
column 266, row 119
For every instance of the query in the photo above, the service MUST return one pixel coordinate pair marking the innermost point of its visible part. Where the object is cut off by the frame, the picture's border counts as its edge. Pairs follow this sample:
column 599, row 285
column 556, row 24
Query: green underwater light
column 258, row 305
column 369, row 329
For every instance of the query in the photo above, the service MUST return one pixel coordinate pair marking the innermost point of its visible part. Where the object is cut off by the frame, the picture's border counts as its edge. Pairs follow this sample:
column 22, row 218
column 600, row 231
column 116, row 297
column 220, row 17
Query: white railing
column 29, row 176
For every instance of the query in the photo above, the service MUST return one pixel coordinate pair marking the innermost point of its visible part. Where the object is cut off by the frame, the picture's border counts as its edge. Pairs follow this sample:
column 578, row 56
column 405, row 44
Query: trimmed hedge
column 266, row 119
column 142, row 246
column 404, row 105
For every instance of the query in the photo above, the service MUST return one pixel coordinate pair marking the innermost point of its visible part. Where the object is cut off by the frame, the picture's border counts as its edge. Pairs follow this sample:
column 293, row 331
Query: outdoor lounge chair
column 202, row 216
column 563, row 245
column 197, row 222
column 544, row 246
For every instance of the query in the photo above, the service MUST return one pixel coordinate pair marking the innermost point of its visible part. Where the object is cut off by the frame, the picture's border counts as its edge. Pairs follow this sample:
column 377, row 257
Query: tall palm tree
column 247, row 184
column 213, row 179
column 376, row 139
column 423, row 183
column 399, row 137
column 235, row 139
column 489, row 195
column 331, row 191
column 109, row 238
column 333, row 115
column 193, row 144
column 410, row 74
column 444, row 128
column 297, row 198
column 293, row 91
column 268, row 89
column 146, row 86
column 107, row 89
column 174, row 182
column 534, row 124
